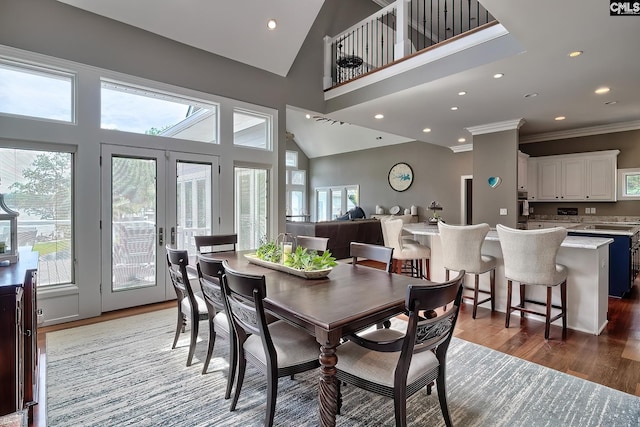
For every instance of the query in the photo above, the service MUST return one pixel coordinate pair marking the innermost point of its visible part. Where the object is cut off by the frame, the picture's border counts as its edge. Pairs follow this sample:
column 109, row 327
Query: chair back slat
column 377, row 253
column 210, row 272
column 214, row 241
column 313, row 243
column 177, row 261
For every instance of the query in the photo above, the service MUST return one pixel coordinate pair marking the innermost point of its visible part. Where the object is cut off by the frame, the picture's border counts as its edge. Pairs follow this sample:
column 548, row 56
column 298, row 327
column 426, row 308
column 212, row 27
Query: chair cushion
column 378, row 367
column 221, row 322
column 412, row 251
column 293, row 346
column 202, row 306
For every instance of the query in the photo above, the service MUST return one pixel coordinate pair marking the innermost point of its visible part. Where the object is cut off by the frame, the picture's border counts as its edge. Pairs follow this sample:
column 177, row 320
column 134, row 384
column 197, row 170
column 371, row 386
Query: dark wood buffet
column 18, row 335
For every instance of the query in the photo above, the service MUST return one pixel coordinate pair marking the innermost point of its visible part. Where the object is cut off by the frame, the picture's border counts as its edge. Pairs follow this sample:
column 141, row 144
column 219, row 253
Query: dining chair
column 191, row 305
column 318, row 244
column 210, row 272
column 371, row 252
column 216, row 243
column 277, row 349
column 397, row 364
column 462, row 250
column 405, row 252
column 530, row 259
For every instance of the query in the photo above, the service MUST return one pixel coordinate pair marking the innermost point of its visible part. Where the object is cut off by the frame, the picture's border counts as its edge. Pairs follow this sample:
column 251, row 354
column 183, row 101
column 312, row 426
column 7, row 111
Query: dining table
column 349, row 299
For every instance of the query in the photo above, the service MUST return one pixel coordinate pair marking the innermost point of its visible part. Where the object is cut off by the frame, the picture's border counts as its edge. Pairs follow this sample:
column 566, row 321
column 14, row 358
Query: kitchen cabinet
column 577, row 177
column 522, row 171
column 18, row 335
column 533, row 225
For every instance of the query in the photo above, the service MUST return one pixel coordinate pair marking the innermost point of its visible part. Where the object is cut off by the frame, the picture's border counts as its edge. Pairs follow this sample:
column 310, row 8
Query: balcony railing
column 397, row 31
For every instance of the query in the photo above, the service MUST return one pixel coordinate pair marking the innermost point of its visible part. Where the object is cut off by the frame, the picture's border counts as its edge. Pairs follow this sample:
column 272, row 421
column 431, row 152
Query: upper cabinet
column 532, row 179
column 522, row 171
column 577, row 177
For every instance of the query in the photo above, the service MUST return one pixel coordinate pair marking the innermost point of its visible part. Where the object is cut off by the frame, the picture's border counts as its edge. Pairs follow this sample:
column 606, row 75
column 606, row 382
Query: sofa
column 340, row 233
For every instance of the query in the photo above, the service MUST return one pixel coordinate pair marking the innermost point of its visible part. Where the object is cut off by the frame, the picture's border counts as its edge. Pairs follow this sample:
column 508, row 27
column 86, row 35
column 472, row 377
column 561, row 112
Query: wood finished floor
column 611, row 358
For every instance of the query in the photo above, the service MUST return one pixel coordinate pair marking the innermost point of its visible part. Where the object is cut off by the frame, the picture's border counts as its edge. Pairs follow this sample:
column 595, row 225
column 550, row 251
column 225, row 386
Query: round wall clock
column 400, row 176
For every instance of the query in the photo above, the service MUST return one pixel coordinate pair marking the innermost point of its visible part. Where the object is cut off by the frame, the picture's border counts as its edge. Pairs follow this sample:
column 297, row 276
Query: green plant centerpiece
column 301, row 262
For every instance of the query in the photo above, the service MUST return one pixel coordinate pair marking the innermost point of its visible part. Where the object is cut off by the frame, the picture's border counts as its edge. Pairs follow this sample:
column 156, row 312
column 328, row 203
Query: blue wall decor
column 494, row 181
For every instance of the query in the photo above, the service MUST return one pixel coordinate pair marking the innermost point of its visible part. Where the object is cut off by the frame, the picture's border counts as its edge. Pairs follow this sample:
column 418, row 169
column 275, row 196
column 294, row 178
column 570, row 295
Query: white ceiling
column 546, row 31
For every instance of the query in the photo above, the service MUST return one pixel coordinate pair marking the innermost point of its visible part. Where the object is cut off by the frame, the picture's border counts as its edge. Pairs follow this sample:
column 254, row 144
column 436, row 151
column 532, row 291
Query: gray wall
column 629, row 145
column 437, row 172
column 495, row 154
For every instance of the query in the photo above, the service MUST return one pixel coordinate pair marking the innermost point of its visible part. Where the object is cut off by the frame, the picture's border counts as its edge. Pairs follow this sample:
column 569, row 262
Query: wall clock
column 400, row 176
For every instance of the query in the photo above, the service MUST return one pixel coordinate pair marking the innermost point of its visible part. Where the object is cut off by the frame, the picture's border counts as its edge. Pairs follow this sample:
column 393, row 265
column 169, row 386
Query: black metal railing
column 375, row 41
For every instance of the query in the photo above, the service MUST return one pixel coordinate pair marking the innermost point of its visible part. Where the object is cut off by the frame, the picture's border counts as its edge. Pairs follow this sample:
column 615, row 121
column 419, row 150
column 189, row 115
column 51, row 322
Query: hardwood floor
column 611, row 358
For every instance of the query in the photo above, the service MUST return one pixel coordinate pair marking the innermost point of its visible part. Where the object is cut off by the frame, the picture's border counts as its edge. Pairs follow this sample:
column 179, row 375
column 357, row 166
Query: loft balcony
column 407, row 35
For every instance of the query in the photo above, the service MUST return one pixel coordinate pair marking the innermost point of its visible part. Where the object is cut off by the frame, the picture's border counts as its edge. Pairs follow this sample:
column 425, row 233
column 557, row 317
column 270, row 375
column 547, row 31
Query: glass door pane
column 251, row 206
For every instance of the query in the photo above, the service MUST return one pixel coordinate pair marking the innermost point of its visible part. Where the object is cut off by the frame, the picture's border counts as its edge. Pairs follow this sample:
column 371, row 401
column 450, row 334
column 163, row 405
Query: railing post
column 403, row 44
column 327, row 81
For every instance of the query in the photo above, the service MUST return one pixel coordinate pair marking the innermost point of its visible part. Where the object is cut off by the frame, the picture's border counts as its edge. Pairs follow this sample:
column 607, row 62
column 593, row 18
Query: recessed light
column 602, row 90
column 498, row 75
column 308, row 116
column 379, row 116
column 530, row 95
column 610, row 102
column 426, row 130
column 272, row 24
column 560, row 118
column 575, row 53
column 462, row 93
column 454, row 108
column 461, row 139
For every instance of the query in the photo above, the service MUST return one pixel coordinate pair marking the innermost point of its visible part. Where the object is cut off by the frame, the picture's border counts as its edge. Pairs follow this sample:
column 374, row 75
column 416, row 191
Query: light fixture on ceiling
column 272, row 24
column 454, row 108
column 379, row 116
column 575, row 53
column 559, row 118
column 462, row 139
column 462, row 93
column 530, row 95
column 328, row 120
column 602, row 90
column 307, row 116
column 498, row 75
column 610, row 102
column 426, row 130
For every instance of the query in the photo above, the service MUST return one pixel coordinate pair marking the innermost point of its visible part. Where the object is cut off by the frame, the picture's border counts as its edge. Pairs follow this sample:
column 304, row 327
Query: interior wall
column 495, row 155
column 436, row 170
column 627, row 142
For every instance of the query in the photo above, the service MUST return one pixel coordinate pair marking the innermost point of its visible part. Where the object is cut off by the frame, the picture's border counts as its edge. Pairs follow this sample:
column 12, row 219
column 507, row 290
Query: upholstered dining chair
column 216, row 243
column 405, row 252
column 397, row 364
column 191, row 305
column 210, row 272
column 462, row 250
column 318, row 244
column 277, row 349
column 530, row 259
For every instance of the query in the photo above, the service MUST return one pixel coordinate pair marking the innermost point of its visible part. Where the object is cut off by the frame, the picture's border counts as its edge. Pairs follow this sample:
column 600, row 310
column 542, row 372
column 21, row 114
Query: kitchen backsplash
column 584, row 218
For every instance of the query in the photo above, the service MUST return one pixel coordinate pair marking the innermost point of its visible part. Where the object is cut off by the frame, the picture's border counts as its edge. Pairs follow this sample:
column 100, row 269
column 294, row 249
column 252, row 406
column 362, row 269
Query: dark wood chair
column 191, row 305
column 278, row 349
column 318, row 244
column 397, row 364
column 210, row 272
column 371, row 252
column 216, row 243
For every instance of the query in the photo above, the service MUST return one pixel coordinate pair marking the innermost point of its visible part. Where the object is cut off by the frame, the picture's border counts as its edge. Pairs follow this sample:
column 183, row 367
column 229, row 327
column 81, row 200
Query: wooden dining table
column 349, row 299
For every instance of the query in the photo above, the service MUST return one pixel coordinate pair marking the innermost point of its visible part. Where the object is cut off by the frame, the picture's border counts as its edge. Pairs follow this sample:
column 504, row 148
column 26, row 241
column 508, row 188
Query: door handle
column 173, row 235
column 160, row 236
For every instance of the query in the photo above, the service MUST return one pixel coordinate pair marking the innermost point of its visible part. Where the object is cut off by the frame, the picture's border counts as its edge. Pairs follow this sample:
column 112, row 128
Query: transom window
column 136, row 109
column 251, row 129
column 36, row 91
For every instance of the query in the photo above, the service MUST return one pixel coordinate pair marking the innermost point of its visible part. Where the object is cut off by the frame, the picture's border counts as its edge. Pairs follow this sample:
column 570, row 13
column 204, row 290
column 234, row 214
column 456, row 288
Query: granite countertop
column 579, row 242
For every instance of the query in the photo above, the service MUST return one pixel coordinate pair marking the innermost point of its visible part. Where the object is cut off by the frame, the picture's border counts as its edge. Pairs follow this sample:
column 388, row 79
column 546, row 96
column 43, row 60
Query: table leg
column 328, row 389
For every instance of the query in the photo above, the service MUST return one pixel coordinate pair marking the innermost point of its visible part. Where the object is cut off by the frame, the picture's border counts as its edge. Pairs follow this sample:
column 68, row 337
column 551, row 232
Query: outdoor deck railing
column 399, row 30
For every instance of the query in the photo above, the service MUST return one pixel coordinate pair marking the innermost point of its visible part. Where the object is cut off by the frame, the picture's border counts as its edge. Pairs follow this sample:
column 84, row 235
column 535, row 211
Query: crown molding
column 462, row 148
column 496, row 127
column 575, row 133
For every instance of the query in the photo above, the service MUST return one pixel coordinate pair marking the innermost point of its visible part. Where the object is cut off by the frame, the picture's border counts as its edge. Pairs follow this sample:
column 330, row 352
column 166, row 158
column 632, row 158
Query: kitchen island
column 587, row 259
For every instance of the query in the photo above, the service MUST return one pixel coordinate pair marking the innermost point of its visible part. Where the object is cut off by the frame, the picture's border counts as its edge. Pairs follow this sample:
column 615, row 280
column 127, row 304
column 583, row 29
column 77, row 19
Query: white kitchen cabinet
column 532, row 179
column 577, row 177
column 522, row 171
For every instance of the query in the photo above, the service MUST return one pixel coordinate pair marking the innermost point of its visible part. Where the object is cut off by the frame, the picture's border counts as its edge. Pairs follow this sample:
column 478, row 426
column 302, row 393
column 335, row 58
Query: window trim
column 622, row 174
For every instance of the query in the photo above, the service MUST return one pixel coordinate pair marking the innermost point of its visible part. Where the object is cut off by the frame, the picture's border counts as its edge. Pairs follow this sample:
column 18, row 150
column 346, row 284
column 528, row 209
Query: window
column 251, row 206
column 629, row 184
column 296, row 195
column 33, row 91
column 251, row 129
column 291, row 159
column 38, row 185
column 333, row 202
column 143, row 110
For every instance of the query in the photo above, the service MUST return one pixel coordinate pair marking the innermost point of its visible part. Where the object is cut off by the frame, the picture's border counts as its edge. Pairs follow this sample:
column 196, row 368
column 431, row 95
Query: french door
column 151, row 198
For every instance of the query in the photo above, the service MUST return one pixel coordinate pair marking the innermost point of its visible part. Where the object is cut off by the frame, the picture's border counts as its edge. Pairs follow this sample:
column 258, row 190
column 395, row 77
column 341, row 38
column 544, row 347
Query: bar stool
column 530, row 258
column 461, row 250
column 405, row 251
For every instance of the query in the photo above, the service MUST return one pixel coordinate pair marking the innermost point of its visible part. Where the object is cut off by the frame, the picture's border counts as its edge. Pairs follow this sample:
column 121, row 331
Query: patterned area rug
column 124, row 373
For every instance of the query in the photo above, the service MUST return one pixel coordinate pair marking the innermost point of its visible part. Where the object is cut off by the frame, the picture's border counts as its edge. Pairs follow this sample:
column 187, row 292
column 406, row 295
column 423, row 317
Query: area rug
column 124, row 373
